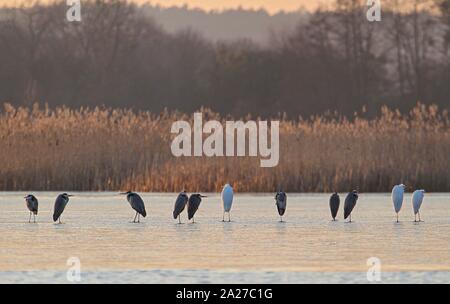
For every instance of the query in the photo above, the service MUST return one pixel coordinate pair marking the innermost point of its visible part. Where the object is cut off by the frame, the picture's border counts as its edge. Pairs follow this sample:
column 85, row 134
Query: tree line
column 335, row 60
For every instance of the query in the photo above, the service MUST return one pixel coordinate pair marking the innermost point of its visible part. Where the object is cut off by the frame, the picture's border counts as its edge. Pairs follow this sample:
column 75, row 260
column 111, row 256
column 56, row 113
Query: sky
column 272, row 6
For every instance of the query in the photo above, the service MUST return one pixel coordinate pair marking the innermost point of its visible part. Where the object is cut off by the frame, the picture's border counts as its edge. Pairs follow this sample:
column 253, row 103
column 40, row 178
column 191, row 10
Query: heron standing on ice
column 335, row 201
column 137, row 203
column 397, row 197
column 227, row 200
column 281, row 201
column 32, row 205
column 180, row 204
column 193, row 204
column 60, row 204
column 417, row 199
column 349, row 204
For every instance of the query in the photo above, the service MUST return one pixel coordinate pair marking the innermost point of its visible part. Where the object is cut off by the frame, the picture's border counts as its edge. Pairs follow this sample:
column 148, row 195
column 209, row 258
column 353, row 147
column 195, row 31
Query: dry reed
column 112, row 149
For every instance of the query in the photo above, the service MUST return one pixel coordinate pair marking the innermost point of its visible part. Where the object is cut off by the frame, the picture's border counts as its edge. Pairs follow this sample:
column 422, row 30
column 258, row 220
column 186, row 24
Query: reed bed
column 111, row 149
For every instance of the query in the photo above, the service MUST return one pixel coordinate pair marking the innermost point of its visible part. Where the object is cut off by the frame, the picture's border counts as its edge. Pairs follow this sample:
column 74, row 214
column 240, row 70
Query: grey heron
column 32, row 205
column 60, row 204
column 417, row 199
column 227, row 200
column 349, row 204
column 193, row 204
column 335, row 201
column 397, row 197
column 137, row 204
column 179, row 206
column 281, row 201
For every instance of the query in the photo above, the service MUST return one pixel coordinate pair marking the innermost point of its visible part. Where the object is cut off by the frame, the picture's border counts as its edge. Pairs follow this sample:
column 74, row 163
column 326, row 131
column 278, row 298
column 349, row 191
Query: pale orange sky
column 272, row 6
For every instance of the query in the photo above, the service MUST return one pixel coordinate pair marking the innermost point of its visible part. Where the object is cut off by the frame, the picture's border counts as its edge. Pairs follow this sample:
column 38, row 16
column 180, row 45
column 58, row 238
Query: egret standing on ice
column 227, row 200
column 417, row 199
column 281, row 201
column 193, row 204
column 32, row 205
column 60, row 204
column 397, row 197
column 137, row 204
column 349, row 204
column 180, row 204
column 335, row 201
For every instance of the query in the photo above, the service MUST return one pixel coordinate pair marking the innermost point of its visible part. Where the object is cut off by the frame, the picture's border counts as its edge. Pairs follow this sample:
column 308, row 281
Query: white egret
column 397, row 197
column 417, row 199
column 227, row 200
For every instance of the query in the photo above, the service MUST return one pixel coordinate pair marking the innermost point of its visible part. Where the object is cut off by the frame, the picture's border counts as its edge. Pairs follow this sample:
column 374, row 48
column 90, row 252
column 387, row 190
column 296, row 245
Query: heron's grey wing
column 350, row 202
column 281, row 204
column 281, row 210
column 34, row 206
column 193, row 204
column 60, row 204
column 180, row 204
column 29, row 204
column 138, row 204
column 334, row 205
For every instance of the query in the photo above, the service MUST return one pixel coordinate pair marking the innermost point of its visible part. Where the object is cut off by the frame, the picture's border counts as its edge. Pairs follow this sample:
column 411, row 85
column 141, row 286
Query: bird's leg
column 34, row 217
column 350, row 218
column 29, row 220
column 419, row 217
column 229, row 216
column 193, row 220
column 134, row 220
column 59, row 220
column 281, row 219
column 397, row 217
column 223, row 217
column 179, row 219
column 139, row 218
column 415, row 217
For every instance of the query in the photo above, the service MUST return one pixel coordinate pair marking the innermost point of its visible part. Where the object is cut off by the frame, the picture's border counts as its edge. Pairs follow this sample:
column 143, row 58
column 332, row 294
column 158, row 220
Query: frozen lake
column 254, row 248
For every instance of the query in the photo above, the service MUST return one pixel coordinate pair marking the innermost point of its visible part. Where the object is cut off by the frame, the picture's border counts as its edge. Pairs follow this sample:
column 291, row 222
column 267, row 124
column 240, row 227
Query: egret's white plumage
column 227, row 200
column 417, row 199
column 397, row 197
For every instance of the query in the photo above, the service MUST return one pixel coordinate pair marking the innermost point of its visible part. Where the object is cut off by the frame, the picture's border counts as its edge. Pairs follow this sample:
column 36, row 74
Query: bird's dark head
column 29, row 196
column 126, row 193
column 198, row 195
column 66, row 195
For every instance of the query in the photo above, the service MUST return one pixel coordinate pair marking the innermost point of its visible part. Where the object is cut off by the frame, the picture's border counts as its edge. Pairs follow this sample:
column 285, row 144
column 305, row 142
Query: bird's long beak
column 69, row 195
column 122, row 193
column 203, row 195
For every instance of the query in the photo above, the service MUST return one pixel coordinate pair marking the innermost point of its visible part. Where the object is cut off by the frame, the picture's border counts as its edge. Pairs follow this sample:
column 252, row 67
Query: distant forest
column 122, row 55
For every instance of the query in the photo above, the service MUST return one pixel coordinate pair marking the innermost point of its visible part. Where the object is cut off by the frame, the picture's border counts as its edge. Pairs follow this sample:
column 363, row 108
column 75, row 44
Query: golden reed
column 112, row 149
